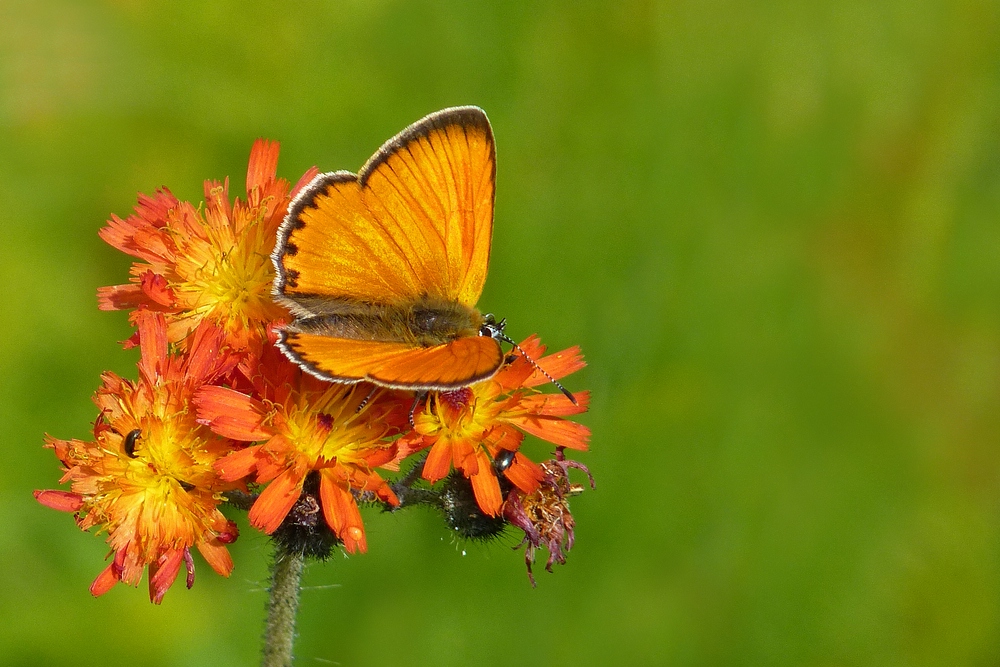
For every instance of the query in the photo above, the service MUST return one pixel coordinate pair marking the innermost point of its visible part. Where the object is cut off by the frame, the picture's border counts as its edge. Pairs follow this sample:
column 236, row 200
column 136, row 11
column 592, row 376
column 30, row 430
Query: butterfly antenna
column 538, row 368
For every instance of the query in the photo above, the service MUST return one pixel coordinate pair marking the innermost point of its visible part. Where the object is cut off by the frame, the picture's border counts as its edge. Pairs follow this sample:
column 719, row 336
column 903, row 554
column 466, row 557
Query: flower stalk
column 282, row 607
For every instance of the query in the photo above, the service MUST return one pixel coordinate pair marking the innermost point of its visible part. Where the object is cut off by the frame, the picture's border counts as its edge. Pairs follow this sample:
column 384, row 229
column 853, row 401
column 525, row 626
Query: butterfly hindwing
column 395, row 364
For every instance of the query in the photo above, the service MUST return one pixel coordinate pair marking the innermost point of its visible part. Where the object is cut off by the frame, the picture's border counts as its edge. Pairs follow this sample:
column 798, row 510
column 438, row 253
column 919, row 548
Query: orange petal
column 558, row 365
column 163, row 572
column 532, row 346
column 486, row 487
column 64, row 501
column 150, row 214
column 276, row 500
column 465, row 456
column 238, row 464
column 155, row 287
column 524, row 473
column 152, row 343
column 263, row 166
column 232, row 414
column 311, row 173
column 438, row 462
column 555, row 405
column 217, row 556
column 379, row 456
column 105, row 581
column 341, row 513
column 502, row 436
column 120, row 297
column 560, row 432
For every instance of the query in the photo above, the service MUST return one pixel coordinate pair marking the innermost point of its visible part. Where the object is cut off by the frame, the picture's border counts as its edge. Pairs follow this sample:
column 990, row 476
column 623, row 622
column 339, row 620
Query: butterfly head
column 494, row 329
column 490, row 327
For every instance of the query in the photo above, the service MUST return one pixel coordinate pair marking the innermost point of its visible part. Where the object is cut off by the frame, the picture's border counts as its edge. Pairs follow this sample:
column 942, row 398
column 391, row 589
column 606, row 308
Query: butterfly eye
column 129, row 443
column 490, row 327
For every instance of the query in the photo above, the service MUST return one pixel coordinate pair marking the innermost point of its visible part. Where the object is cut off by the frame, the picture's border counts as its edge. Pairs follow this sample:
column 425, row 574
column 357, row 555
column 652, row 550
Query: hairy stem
column 279, row 635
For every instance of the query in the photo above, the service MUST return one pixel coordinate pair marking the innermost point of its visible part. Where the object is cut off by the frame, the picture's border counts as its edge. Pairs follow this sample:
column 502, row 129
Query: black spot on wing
column 293, row 221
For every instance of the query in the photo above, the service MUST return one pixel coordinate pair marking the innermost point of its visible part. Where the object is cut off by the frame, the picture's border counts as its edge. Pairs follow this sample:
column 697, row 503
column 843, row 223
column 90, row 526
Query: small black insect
column 129, row 443
column 503, row 460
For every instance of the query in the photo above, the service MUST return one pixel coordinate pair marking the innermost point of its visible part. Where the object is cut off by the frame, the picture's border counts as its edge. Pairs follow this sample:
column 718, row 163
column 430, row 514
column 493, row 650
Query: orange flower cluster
column 219, row 413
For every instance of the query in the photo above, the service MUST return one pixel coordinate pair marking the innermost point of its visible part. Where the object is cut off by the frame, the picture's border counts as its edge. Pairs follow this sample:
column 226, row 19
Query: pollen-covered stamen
column 325, row 422
column 224, row 279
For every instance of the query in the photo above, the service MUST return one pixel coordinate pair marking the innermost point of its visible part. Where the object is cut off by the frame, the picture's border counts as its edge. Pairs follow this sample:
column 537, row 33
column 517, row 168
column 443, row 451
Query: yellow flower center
column 227, row 274
column 461, row 415
column 328, row 428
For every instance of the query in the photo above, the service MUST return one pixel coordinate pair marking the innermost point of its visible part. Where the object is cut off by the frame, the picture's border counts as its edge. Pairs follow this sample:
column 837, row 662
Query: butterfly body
column 423, row 323
column 382, row 269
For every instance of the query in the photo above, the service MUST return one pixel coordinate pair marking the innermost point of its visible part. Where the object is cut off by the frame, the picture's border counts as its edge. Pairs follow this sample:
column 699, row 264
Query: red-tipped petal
column 341, row 513
column 163, row 572
column 64, row 501
column 105, row 581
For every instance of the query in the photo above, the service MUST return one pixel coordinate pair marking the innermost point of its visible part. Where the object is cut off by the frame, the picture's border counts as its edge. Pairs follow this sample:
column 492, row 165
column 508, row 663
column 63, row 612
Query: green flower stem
column 279, row 635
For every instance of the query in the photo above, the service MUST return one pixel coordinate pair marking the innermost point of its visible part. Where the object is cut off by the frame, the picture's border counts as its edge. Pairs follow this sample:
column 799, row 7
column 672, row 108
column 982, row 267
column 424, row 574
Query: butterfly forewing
column 416, row 222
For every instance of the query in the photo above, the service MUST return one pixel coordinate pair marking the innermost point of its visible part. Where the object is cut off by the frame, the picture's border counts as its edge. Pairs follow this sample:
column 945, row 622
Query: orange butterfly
column 382, row 269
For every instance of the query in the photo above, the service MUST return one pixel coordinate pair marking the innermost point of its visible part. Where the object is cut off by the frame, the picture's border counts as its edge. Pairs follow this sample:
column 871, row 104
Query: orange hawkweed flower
column 469, row 427
column 207, row 264
column 147, row 478
column 306, row 425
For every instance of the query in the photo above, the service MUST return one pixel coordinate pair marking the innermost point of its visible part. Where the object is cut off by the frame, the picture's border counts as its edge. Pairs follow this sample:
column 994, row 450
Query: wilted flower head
column 147, row 478
column 544, row 514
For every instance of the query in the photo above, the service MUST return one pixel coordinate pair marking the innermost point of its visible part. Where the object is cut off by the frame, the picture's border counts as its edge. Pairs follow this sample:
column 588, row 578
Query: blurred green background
column 772, row 226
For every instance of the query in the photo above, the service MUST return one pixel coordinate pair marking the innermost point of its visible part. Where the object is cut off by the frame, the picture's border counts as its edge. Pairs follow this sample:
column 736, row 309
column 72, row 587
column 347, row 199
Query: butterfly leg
column 413, row 408
column 363, row 403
